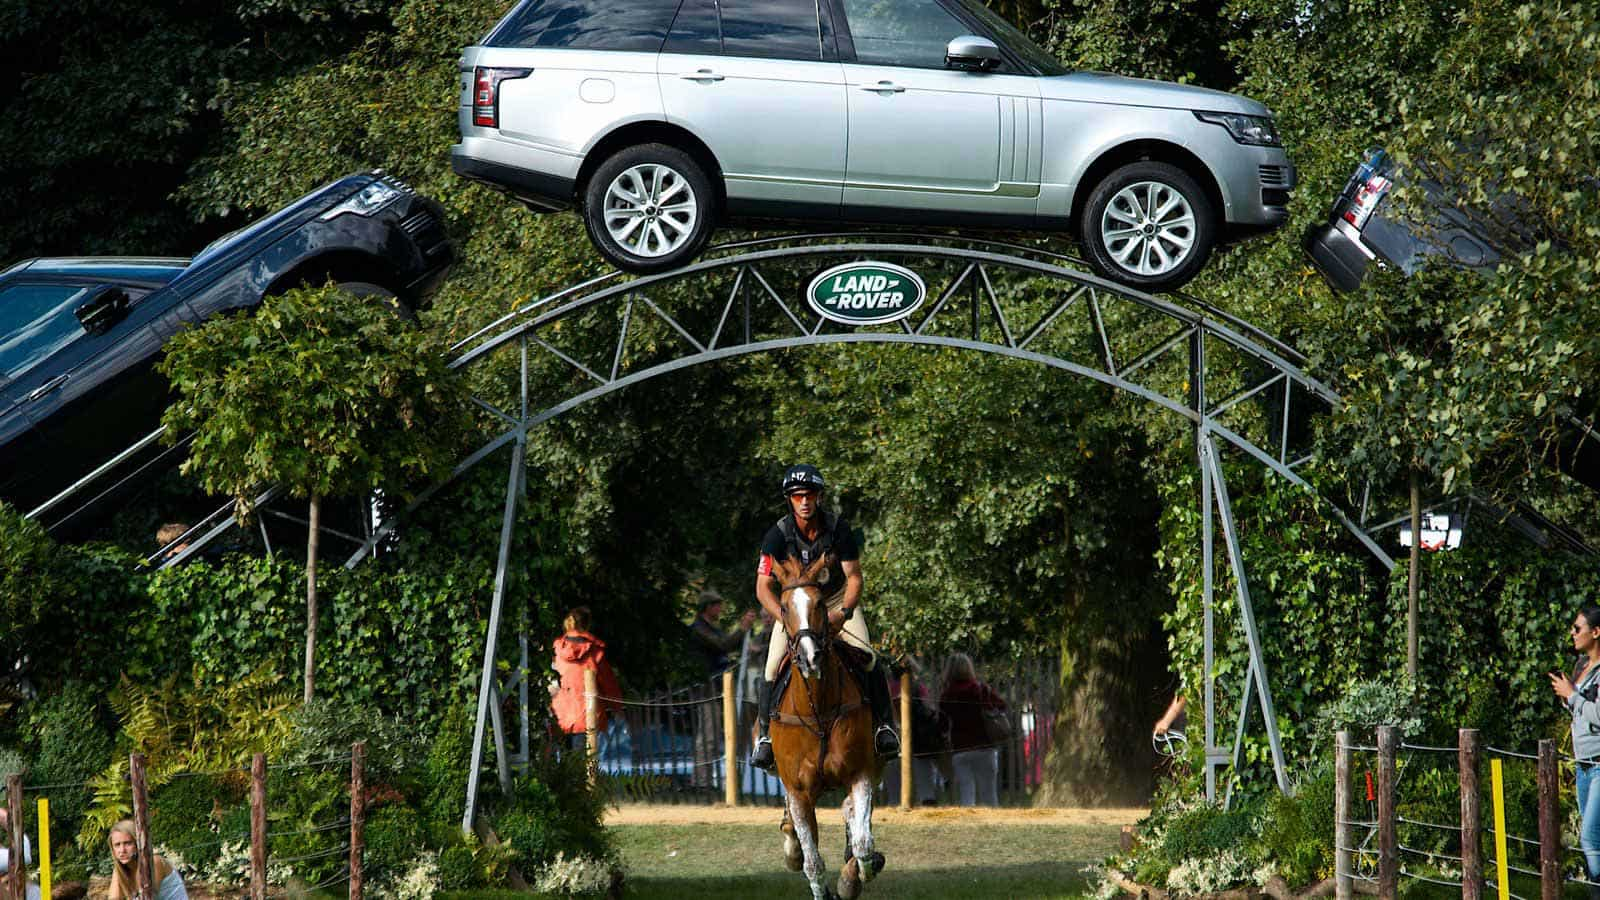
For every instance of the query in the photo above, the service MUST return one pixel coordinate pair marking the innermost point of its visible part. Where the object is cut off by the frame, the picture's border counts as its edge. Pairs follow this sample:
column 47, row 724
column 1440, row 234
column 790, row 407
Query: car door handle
column 46, row 388
column 884, row 87
column 701, row 75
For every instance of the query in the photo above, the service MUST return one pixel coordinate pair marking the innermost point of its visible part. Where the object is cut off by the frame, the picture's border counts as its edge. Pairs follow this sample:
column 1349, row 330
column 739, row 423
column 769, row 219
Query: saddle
column 855, row 662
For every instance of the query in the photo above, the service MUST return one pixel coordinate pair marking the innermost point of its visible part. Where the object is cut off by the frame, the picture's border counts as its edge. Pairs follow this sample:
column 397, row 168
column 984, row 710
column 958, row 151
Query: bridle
column 824, row 640
column 819, row 727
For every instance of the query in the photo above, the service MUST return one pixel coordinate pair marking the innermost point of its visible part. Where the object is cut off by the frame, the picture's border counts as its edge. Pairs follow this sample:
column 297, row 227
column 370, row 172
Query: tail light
column 1368, row 193
column 486, row 93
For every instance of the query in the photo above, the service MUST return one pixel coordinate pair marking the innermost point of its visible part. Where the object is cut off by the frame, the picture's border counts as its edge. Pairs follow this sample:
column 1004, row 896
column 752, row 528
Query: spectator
column 169, row 533
column 975, row 758
column 715, row 643
column 575, row 651
column 126, row 860
column 1580, row 694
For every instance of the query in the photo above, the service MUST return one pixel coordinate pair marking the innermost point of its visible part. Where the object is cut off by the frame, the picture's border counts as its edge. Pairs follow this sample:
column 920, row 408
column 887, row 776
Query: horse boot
column 761, row 756
column 884, row 740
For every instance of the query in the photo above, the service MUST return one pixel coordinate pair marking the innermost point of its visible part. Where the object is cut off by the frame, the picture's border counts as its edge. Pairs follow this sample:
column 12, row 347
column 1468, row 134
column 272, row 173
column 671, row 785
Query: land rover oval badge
column 866, row 293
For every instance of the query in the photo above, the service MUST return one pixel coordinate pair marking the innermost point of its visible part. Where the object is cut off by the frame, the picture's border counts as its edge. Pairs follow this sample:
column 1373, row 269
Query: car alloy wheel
column 1148, row 228
column 650, row 207
column 1149, row 225
column 650, row 210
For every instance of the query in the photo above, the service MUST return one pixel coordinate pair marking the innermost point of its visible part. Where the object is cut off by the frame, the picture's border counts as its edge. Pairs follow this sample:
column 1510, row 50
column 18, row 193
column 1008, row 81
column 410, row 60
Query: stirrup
column 761, row 757
column 886, row 746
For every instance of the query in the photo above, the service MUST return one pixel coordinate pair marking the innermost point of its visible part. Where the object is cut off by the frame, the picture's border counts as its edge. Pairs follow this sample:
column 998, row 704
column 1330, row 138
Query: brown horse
column 822, row 739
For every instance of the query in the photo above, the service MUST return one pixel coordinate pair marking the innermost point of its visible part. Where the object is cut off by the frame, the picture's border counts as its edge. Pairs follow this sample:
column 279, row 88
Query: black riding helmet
column 802, row 477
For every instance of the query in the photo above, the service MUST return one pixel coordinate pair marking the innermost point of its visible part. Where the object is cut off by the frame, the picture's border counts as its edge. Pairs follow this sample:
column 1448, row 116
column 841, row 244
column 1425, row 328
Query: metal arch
column 1200, row 330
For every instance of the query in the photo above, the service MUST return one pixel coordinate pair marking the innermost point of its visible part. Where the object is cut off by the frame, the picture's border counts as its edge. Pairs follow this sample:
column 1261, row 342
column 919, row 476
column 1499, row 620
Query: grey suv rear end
column 660, row 119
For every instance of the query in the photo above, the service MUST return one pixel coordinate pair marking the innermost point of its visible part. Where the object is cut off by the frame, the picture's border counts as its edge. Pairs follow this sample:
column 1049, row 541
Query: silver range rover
column 661, row 119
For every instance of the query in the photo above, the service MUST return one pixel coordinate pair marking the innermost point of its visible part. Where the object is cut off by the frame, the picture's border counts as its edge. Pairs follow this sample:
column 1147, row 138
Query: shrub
column 554, row 811
column 186, row 816
column 458, row 870
column 394, row 836
column 1297, row 831
column 70, row 744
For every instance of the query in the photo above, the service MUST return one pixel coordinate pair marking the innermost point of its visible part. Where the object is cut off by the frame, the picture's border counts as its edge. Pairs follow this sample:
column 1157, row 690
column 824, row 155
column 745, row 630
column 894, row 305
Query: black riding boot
column 761, row 757
column 884, row 740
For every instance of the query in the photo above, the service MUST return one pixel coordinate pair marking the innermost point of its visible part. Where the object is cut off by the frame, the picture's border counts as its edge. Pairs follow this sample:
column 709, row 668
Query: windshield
column 1020, row 44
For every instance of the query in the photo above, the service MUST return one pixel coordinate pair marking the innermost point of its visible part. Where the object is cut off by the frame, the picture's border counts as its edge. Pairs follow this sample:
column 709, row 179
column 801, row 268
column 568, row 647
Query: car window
column 696, row 29
column 771, row 29
column 1013, row 38
column 902, row 32
column 36, row 320
column 636, row 25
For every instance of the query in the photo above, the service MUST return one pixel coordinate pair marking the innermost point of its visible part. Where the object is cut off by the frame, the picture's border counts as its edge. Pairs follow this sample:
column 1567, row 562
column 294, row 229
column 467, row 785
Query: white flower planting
column 580, row 876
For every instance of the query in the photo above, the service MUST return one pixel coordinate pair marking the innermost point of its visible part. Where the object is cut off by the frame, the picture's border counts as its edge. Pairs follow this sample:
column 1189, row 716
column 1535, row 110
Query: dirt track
column 645, row 814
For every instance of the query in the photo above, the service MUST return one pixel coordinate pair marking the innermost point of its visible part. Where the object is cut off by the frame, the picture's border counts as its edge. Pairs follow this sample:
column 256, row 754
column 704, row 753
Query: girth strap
column 783, row 718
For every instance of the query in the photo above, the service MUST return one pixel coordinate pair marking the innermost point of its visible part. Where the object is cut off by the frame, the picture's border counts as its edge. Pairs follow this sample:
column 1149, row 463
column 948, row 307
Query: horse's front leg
column 803, row 815
column 860, row 826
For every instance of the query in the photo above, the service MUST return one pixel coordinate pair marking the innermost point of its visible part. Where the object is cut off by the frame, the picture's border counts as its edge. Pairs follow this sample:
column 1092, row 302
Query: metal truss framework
column 975, row 308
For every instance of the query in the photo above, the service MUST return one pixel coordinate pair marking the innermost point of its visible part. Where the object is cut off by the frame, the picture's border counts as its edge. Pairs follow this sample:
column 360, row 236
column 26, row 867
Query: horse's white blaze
column 802, row 608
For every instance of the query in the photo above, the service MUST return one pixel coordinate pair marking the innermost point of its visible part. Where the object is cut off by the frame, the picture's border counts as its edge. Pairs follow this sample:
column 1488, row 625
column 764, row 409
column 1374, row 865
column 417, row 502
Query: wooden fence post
column 1344, row 885
column 141, row 824
column 1549, row 829
column 258, row 827
column 18, row 875
column 591, row 723
column 1471, row 822
column 1388, row 845
column 907, row 785
column 730, row 742
column 358, row 816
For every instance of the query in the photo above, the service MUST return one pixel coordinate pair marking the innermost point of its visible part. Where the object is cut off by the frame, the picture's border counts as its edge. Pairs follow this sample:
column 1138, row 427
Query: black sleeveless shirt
column 783, row 541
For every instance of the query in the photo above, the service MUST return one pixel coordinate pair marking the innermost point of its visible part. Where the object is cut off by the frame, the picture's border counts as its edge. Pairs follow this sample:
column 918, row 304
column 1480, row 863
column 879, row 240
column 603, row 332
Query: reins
column 819, row 728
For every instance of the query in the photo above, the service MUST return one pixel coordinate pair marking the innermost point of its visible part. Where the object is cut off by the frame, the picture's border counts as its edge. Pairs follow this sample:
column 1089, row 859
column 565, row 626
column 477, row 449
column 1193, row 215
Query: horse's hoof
column 849, row 884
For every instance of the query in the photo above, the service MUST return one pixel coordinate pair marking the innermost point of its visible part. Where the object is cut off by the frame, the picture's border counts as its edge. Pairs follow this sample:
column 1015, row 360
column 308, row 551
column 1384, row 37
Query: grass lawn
column 925, row 859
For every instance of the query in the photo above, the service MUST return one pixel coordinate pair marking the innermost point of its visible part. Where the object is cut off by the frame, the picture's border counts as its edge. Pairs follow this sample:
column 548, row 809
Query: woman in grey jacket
column 1581, row 693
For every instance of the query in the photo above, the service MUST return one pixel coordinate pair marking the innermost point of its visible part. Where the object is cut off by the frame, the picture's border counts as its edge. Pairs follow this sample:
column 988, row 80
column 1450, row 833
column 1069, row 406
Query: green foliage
column 1297, row 828
column 67, row 745
column 554, row 811
column 321, row 392
column 1365, row 705
column 393, row 837
column 185, row 728
column 187, row 814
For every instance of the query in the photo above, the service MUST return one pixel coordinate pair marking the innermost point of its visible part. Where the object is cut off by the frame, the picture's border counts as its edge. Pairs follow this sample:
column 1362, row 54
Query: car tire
column 366, row 289
column 628, row 221
column 1126, row 244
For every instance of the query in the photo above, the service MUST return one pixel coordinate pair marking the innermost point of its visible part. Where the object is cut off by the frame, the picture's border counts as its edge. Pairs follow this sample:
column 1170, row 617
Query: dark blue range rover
column 79, row 336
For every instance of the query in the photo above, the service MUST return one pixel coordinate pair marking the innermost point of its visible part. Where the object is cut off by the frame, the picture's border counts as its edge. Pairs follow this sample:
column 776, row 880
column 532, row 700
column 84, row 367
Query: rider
column 807, row 533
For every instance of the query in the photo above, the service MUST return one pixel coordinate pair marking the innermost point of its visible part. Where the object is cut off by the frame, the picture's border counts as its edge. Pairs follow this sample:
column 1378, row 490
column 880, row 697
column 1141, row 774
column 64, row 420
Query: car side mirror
column 106, row 306
column 972, row 54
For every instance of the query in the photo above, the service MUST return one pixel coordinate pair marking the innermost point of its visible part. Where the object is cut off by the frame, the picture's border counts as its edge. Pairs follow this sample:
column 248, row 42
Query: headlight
column 1257, row 130
column 364, row 202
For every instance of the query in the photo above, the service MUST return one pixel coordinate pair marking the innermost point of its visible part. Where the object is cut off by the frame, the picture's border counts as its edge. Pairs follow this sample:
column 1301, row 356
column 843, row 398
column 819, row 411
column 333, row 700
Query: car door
column 37, row 328
column 98, row 393
column 927, row 137
column 759, row 81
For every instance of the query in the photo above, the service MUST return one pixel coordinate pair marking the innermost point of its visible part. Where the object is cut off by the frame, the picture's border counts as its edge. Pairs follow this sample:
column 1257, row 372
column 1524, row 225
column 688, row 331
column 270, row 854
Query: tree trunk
column 311, row 594
column 1411, row 587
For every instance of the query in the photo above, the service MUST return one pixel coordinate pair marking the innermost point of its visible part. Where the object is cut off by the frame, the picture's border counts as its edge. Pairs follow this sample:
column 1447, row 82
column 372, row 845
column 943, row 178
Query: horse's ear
column 816, row 567
column 785, row 570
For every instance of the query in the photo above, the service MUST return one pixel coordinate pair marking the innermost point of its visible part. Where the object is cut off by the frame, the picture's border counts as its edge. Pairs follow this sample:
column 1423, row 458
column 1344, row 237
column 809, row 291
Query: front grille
column 1274, row 176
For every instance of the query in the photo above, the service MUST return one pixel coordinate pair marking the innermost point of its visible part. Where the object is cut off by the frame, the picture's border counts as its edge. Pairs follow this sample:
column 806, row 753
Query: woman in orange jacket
column 576, row 650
